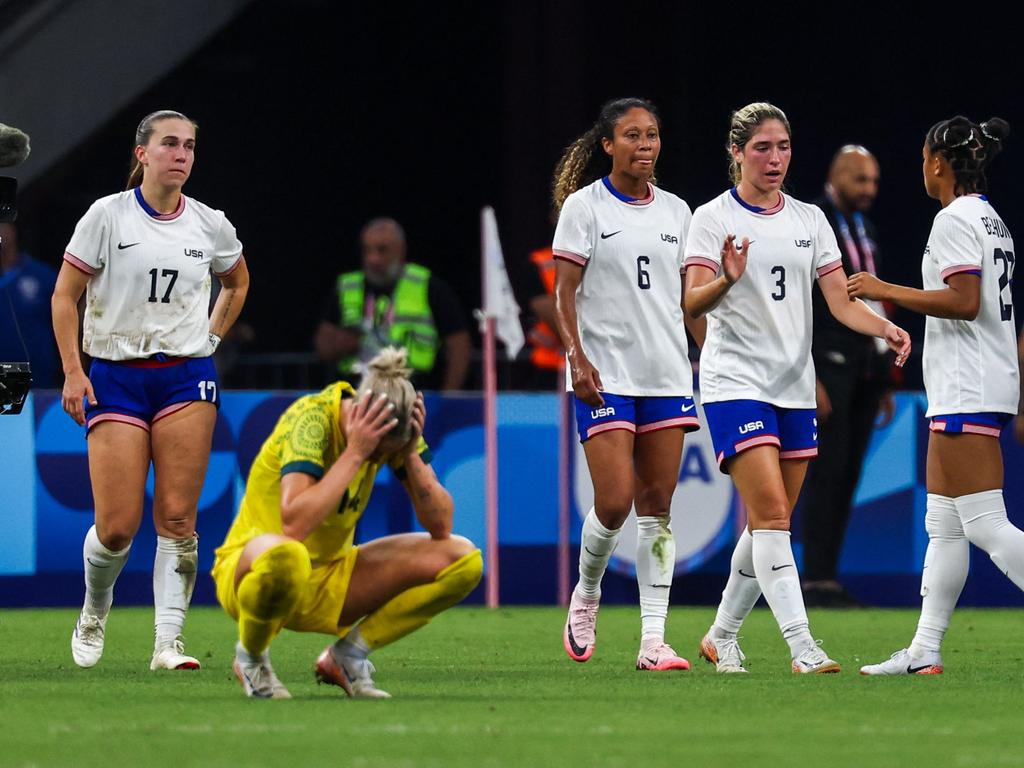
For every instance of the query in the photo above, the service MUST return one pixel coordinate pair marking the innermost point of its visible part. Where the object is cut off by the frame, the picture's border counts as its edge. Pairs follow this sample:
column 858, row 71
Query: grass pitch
column 494, row 688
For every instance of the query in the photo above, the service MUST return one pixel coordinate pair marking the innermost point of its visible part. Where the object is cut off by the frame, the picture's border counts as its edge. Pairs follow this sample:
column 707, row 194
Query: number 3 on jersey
column 780, row 285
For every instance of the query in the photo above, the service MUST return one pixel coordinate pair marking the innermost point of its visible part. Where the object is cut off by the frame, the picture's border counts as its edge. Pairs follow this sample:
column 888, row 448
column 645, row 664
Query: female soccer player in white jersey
column 618, row 294
column 144, row 259
column 757, row 376
column 970, row 374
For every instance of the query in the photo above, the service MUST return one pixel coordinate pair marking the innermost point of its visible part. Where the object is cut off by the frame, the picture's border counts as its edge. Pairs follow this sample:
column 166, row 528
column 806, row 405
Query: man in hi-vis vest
column 393, row 302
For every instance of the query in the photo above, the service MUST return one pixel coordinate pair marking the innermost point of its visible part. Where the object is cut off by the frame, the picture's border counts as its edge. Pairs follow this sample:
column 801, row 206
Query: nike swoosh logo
column 579, row 650
column 688, row 408
column 780, row 567
column 660, row 586
column 122, row 246
column 592, row 554
column 610, row 234
column 652, row 662
column 96, row 565
column 748, row 575
column 815, row 436
column 915, row 670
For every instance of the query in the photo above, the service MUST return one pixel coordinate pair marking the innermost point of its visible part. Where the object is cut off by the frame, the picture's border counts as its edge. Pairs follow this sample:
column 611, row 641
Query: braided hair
column 580, row 165
column 968, row 148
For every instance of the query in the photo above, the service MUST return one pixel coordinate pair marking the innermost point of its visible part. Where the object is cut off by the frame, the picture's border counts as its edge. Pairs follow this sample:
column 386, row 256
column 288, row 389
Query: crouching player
column 289, row 561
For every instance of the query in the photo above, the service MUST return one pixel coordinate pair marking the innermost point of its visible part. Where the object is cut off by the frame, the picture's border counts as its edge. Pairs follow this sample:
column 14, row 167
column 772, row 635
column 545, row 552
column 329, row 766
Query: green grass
column 481, row 688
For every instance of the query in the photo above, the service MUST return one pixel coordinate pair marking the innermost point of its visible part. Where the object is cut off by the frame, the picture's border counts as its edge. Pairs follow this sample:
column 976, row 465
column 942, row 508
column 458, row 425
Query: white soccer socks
column 102, row 567
column 655, row 564
column 945, row 570
column 596, row 547
column 174, row 577
column 740, row 593
column 775, row 569
column 986, row 526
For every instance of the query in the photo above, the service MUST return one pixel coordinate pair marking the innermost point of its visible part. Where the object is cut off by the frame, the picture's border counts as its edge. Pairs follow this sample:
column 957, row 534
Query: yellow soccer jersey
column 307, row 438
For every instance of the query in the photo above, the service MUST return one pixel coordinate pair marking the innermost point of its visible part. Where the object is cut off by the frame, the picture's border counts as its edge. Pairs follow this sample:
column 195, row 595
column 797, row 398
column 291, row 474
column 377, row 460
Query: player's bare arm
column 704, row 290
column 960, row 300
column 71, row 284
column 234, row 288
column 305, row 501
column 586, row 379
column 858, row 316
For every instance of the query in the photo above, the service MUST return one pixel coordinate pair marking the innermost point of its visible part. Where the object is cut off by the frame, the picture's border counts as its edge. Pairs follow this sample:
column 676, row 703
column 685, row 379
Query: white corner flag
column 499, row 301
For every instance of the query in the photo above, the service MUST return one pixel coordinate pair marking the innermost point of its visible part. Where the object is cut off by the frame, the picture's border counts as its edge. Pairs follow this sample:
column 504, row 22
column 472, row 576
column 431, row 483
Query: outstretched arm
column 858, row 316
column 959, row 300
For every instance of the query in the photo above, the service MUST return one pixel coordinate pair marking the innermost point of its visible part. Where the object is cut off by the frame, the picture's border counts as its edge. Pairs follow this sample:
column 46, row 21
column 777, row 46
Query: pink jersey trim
column 829, row 268
column 679, row 421
column 232, row 268
column 119, row 417
column 701, row 261
column 78, row 264
column 608, row 426
column 171, row 409
column 937, row 426
column 575, row 258
column 753, row 442
column 958, row 268
column 646, row 200
column 803, row 453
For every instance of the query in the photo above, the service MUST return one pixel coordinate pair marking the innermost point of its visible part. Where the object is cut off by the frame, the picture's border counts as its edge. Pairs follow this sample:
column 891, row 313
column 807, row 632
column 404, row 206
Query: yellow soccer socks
column 415, row 607
column 269, row 593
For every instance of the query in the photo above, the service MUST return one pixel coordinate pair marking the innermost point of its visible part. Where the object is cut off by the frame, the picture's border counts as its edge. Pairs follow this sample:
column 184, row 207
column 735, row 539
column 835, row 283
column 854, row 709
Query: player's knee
column 772, row 516
column 612, row 512
column 115, row 537
column 984, row 530
column 275, row 580
column 654, row 502
column 178, row 524
column 943, row 524
column 464, row 574
column 457, row 547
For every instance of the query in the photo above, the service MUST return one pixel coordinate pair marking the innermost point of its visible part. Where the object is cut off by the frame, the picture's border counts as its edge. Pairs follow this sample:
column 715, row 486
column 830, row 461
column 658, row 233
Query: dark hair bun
column 996, row 128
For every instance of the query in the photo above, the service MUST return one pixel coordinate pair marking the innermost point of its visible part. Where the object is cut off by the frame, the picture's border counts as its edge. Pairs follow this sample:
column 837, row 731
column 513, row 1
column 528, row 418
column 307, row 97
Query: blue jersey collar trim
column 624, row 198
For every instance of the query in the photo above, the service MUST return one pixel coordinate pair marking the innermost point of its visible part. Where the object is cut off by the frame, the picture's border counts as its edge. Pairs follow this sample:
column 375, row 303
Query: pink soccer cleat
column 580, row 635
column 660, row 658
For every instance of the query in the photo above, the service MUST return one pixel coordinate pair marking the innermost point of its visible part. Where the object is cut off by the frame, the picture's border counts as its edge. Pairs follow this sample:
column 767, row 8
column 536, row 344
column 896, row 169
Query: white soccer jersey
column 628, row 302
column 758, row 344
column 150, row 286
column 970, row 366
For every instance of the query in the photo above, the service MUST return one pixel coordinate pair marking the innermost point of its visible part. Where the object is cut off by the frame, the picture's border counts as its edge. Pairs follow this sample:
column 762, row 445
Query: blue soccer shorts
column 635, row 414
column 737, row 425
column 989, row 424
column 141, row 392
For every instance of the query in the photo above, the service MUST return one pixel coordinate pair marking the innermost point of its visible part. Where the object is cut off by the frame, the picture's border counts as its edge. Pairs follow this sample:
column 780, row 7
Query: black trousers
column 833, row 475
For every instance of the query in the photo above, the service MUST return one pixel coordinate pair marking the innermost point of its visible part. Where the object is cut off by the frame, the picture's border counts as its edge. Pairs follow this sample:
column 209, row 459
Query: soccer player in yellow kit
column 289, row 560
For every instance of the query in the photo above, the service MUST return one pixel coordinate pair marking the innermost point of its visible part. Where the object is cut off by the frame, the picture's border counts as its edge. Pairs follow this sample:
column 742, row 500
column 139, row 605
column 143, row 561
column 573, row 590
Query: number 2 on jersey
column 1005, row 308
column 171, row 273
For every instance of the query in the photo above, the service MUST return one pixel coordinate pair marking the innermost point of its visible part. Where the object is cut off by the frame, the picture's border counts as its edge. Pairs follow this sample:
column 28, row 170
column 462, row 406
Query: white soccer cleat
column 724, row 653
column 170, row 654
column 87, row 640
column 902, row 663
column 814, row 661
column 350, row 674
column 660, row 658
column 257, row 677
column 580, row 634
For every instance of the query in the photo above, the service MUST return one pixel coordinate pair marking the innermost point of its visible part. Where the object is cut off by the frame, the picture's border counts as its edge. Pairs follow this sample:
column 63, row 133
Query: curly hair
column 580, row 164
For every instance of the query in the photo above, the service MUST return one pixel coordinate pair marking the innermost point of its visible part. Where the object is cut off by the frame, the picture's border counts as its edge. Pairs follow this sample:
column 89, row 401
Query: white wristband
column 214, row 342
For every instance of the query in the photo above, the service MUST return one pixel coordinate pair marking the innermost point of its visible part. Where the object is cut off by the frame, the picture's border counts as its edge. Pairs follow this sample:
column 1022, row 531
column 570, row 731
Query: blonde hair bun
column 388, row 374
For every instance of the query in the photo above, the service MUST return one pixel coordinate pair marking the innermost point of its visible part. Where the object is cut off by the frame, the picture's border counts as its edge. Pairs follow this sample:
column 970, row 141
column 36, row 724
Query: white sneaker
column 724, row 653
column 902, row 663
column 350, row 674
column 814, row 661
column 257, row 677
column 170, row 654
column 87, row 640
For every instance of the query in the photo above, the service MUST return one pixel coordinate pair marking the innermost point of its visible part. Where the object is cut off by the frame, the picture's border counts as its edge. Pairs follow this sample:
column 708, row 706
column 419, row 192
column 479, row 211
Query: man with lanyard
column 853, row 384
column 393, row 302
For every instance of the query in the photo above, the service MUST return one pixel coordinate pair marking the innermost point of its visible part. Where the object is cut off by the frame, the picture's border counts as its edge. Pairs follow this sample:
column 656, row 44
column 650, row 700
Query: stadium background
column 315, row 116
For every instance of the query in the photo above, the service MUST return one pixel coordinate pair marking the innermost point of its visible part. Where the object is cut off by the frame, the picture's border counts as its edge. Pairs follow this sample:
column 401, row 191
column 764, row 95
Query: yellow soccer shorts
column 319, row 607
